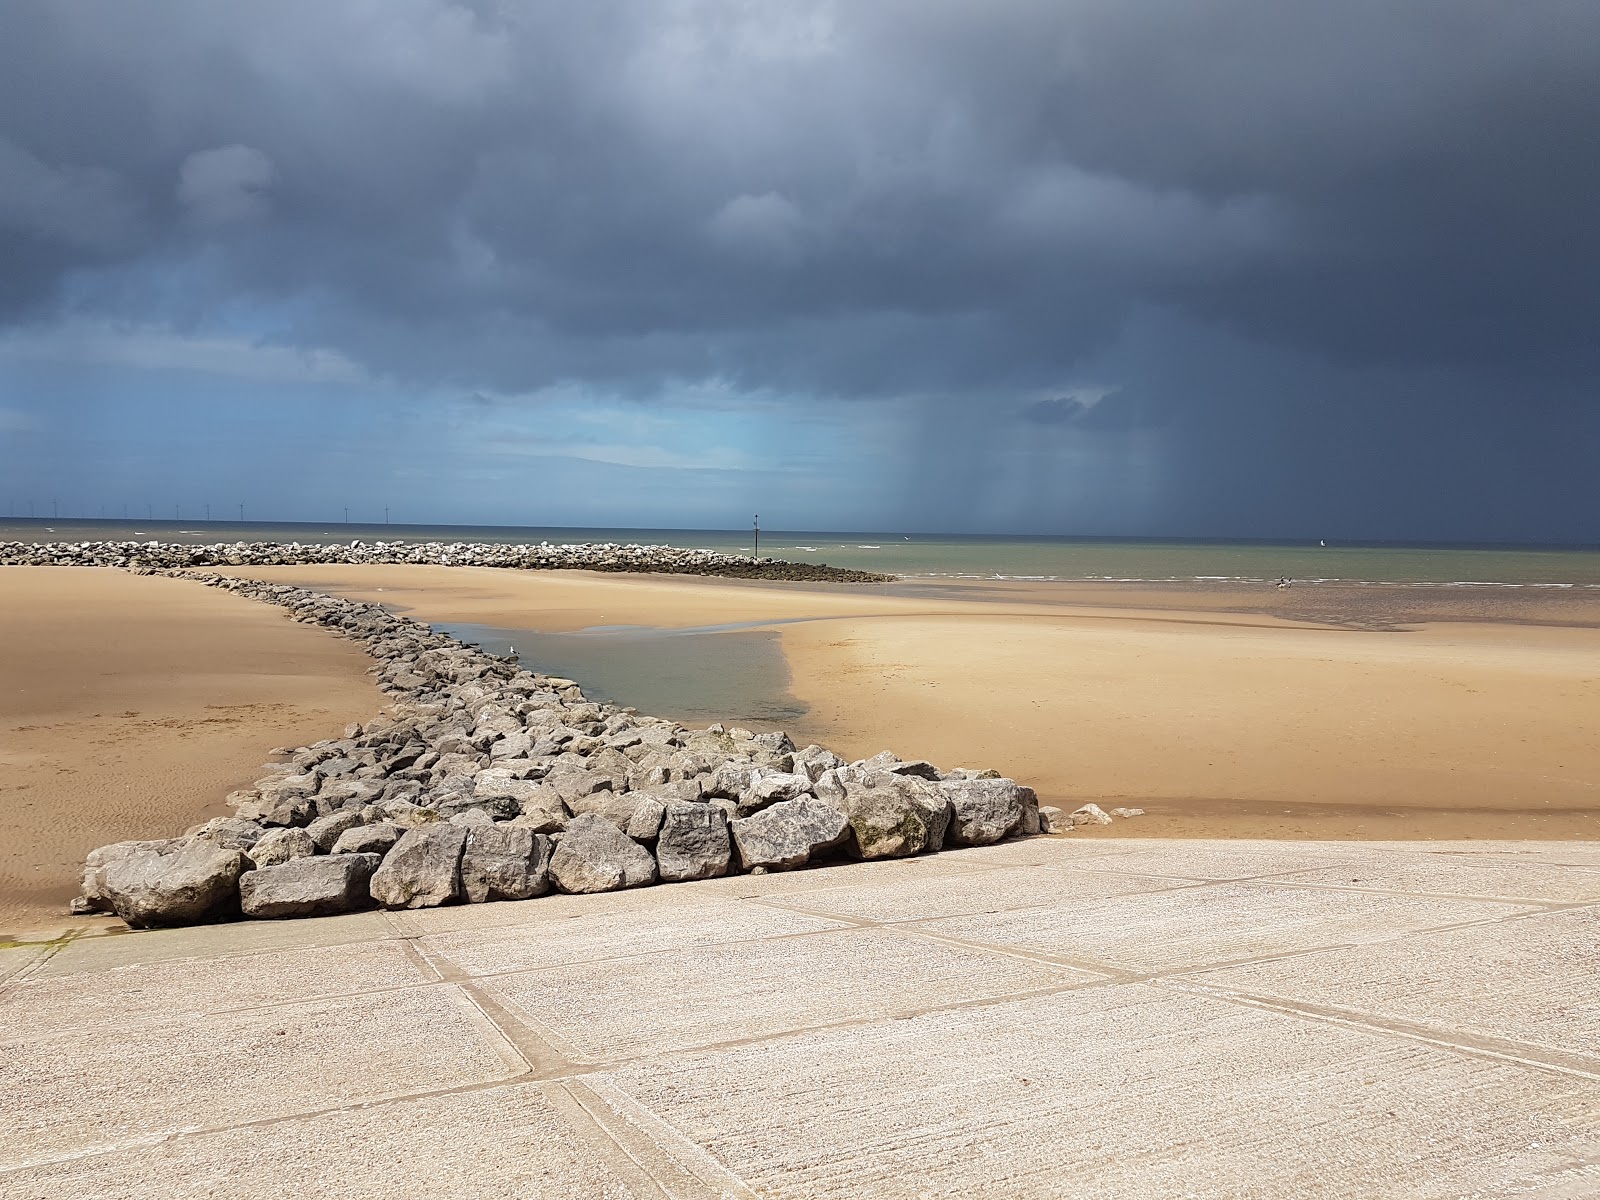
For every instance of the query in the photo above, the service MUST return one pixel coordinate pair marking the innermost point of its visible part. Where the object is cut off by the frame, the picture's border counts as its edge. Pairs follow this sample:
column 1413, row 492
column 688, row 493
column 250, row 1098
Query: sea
column 945, row 556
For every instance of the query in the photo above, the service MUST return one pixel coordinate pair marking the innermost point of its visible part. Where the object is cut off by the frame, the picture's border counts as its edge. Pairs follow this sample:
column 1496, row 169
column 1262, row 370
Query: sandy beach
column 131, row 705
column 1222, row 711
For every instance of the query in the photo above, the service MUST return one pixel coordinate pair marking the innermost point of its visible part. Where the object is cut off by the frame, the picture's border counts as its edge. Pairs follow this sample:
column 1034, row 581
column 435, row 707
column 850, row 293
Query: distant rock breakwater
column 484, row 781
column 545, row 556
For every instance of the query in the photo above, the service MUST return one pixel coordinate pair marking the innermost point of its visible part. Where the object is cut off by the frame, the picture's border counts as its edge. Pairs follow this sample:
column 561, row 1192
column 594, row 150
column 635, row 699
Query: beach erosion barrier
column 543, row 556
column 486, row 781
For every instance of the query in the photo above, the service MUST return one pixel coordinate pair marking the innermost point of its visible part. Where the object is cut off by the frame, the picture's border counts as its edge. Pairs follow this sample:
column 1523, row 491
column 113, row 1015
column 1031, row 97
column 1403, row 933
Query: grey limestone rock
column 1053, row 820
column 694, row 842
column 502, row 862
column 376, row 839
column 184, row 886
column 789, row 833
column 325, row 831
column 772, row 787
column 814, row 760
column 280, row 845
column 1089, row 814
column 309, row 887
column 95, row 896
column 894, row 815
column 423, row 869
column 595, row 856
column 637, row 814
column 229, row 833
column 986, row 810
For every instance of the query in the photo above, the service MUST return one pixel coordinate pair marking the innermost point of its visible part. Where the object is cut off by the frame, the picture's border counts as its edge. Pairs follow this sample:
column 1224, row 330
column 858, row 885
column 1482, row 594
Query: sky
column 1107, row 267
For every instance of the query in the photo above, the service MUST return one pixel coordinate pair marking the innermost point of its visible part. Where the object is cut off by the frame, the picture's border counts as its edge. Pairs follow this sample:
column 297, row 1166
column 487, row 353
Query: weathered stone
column 1089, row 814
column 595, row 856
column 291, row 812
column 469, row 818
column 95, row 896
column 920, row 767
column 325, row 831
column 309, row 887
column 814, row 760
column 637, row 814
column 423, row 869
column 893, row 815
column 789, row 834
column 407, row 815
column 986, row 810
column 694, row 842
column 280, row 845
column 1127, row 812
column 229, row 833
column 771, row 787
column 185, row 886
column 376, row 839
column 541, row 821
column 1053, row 820
column 496, row 808
column 502, row 862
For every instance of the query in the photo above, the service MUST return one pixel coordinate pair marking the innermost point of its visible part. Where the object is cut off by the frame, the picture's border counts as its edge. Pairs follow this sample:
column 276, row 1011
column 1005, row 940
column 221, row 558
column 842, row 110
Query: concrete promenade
column 1052, row 1017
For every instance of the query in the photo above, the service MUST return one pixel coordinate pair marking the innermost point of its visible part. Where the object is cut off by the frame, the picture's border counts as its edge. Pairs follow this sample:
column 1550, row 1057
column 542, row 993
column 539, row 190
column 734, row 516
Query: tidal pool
column 696, row 676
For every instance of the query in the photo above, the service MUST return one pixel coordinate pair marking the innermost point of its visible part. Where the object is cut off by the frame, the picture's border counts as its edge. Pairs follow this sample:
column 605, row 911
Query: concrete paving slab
column 1112, row 1093
column 204, row 941
column 951, row 894
column 731, row 993
column 1210, row 860
column 70, row 1094
column 1451, row 1052
column 16, row 959
column 502, row 1143
column 1190, row 927
column 551, row 938
column 1485, row 877
column 1533, row 980
column 179, row 989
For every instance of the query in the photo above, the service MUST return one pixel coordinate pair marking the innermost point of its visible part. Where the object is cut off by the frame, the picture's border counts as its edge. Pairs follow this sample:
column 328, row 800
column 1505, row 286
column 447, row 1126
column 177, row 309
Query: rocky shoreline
column 591, row 556
column 485, row 781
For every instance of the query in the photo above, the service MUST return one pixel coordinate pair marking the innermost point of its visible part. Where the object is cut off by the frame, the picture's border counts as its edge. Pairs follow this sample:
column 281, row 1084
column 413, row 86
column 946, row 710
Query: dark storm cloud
column 961, row 200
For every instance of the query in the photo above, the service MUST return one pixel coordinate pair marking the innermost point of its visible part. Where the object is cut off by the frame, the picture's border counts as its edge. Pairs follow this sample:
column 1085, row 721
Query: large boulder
column 767, row 787
column 229, row 833
column 309, row 887
column 502, row 862
column 986, row 810
column 423, row 870
column 184, row 886
column 637, row 814
column 325, row 831
column 596, row 856
column 893, row 815
column 789, row 834
column 376, row 839
column 694, row 842
column 95, row 898
column 278, row 846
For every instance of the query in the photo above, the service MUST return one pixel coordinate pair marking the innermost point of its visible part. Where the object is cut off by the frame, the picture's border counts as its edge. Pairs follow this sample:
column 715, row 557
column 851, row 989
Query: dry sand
column 131, row 705
column 1222, row 711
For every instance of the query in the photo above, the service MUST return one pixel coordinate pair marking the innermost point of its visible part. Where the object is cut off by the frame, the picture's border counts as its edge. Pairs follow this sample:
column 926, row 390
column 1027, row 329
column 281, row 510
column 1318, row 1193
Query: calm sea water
column 943, row 557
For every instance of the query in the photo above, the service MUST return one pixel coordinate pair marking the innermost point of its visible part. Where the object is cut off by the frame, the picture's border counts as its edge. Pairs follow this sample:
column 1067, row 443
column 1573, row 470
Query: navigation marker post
column 757, row 554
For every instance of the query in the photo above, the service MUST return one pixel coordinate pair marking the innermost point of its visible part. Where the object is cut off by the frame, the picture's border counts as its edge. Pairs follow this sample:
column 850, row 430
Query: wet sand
column 131, row 705
column 1220, row 710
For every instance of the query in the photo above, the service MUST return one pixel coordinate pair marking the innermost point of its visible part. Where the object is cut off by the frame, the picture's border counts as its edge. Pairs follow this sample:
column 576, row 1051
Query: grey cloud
column 226, row 184
column 963, row 199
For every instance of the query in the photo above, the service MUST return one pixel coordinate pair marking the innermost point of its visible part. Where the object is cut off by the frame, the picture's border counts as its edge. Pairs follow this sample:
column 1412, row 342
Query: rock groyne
column 545, row 556
column 485, row 781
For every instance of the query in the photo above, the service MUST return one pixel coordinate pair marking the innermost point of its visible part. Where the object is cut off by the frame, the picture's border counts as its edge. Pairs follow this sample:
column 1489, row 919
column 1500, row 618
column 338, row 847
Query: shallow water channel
column 730, row 674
